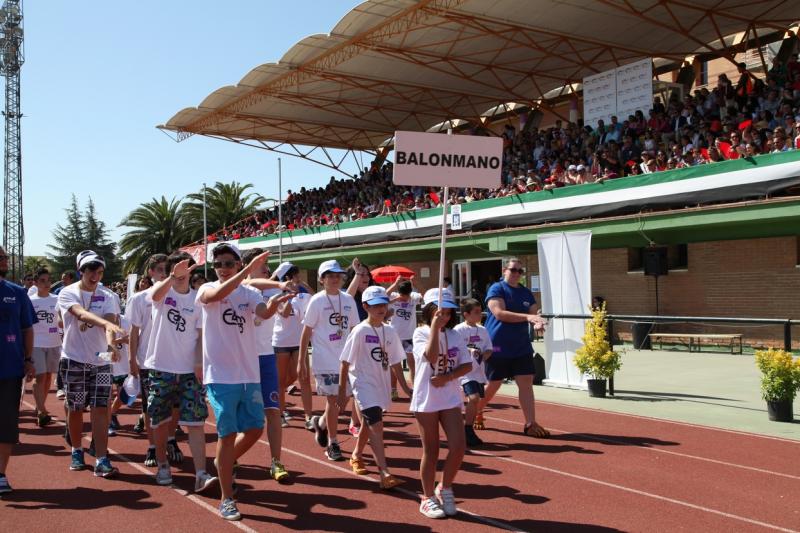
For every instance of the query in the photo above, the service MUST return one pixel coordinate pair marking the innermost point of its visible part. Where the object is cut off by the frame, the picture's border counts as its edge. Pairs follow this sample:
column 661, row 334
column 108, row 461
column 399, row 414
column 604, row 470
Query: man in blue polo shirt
column 511, row 308
column 16, row 347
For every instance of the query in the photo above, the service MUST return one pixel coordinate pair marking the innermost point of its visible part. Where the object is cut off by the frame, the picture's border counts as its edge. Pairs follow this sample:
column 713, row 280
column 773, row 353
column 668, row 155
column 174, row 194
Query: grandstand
column 709, row 170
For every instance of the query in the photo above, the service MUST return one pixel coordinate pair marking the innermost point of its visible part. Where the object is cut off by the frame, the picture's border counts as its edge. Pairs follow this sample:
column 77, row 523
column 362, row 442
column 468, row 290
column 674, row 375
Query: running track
column 599, row 471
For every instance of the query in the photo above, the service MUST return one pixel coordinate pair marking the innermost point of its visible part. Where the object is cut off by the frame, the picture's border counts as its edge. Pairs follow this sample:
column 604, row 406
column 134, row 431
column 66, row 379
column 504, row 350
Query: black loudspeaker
column 655, row 261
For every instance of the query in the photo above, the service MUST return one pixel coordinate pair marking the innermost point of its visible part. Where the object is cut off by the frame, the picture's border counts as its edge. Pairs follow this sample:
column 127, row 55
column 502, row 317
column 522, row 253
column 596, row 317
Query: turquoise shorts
column 238, row 407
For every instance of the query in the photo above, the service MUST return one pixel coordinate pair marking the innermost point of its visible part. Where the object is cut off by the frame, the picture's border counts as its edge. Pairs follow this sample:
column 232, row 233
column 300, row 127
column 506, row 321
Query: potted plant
column 780, row 380
column 596, row 358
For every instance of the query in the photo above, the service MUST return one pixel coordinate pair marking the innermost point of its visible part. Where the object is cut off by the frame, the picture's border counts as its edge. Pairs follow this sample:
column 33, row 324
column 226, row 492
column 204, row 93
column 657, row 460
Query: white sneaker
column 60, row 394
column 430, row 507
column 203, row 480
column 448, row 500
column 164, row 475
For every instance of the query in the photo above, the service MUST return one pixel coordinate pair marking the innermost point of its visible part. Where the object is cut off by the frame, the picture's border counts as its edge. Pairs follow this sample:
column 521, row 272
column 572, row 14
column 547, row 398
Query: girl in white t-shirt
column 371, row 350
column 403, row 318
column 480, row 347
column 442, row 358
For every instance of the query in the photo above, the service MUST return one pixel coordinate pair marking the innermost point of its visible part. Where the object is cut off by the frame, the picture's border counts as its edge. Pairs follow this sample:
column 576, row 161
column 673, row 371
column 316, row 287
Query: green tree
column 34, row 263
column 82, row 232
column 226, row 203
column 157, row 227
column 68, row 239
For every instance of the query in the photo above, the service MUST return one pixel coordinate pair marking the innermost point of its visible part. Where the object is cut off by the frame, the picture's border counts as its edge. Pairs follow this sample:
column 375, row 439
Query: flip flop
column 390, row 482
column 535, row 430
column 358, row 466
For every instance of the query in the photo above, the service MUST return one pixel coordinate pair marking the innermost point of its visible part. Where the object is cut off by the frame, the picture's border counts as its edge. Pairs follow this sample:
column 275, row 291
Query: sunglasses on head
column 224, row 264
column 516, row 270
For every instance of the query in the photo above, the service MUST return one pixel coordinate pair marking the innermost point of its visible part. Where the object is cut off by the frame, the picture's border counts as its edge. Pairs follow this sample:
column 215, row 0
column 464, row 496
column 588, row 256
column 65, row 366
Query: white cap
column 331, row 265
column 282, row 269
column 228, row 246
column 85, row 258
column 580, row 167
column 81, row 255
column 432, row 296
column 572, row 167
column 374, row 295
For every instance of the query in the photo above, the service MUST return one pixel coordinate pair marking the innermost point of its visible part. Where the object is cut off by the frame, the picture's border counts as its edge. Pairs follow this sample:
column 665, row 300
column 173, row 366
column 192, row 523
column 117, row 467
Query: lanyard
column 381, row 339
column 446, row 350
column 339, row 319
column 84, row 326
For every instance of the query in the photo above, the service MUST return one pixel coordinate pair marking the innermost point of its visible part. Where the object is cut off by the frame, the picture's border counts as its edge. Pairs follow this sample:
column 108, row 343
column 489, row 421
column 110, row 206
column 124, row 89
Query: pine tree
column 68, row 240
column 96, row 238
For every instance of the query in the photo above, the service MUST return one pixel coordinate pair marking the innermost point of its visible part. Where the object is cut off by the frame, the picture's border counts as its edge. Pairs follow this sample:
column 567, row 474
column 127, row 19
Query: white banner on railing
column 565, row 275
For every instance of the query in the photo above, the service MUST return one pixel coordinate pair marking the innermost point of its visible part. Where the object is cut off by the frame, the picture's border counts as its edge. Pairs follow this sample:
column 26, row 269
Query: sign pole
column 446, row 194
column 280, row 215
column 205, row 235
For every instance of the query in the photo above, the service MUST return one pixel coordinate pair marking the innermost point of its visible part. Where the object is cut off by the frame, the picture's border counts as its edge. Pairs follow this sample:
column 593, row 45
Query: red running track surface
column 599, row 471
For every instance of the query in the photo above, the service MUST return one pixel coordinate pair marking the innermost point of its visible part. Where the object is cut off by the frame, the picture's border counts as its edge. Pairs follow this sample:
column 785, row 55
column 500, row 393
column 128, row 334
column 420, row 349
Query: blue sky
column 100, row 75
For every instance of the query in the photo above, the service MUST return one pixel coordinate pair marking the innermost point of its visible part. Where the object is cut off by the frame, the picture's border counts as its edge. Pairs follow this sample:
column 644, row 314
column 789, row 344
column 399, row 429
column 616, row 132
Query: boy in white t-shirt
column 119, row 372
column 230, row 361
column 403, row 310
column 46, row 344
column 90, row 313
column 329, row 317
column 170, row 360
column 442, row 358
column 480, row 347
column 267, row 364
column 372, row 351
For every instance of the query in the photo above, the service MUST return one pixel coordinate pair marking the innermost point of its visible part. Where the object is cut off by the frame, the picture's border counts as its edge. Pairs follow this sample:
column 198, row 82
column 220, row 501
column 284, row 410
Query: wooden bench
column 735, row 339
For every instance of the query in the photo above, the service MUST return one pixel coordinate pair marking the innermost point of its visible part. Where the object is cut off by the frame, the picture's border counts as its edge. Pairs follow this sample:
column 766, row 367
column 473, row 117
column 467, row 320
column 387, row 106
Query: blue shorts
column 238, row 407
column 473, row 387
column 500, row 368
column 268, row 366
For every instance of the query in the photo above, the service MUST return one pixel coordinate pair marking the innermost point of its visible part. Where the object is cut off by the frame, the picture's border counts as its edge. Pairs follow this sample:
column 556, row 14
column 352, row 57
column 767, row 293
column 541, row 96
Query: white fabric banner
column 565, row 275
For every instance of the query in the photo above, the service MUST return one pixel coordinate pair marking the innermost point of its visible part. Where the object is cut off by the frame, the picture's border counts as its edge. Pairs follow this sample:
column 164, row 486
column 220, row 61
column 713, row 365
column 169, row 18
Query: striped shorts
column 86, row 384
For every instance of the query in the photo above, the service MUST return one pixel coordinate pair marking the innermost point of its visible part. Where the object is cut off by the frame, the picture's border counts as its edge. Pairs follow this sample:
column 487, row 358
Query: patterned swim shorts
column 167, row 390
column 86, row 384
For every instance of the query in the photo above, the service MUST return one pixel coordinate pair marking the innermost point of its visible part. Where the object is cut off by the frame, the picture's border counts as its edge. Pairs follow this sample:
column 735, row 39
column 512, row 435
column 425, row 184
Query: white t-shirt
column 229, row 336
column 328, row 338
column 83, row 346
column 475, row 337
column 45, row 331
column 123, row 366
column 264, row 328
column 426, row 397
column 371, row 382
column 288, row 329
column 404, row 315
column 140, row 312
column 173, row 332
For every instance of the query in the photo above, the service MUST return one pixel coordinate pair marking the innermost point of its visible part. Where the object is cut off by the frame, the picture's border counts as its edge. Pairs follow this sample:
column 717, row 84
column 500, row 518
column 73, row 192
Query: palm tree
column 158, row 227
column 226, row 203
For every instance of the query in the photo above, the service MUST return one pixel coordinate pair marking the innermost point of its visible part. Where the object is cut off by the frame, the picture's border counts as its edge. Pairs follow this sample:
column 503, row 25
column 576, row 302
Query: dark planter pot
column 780, row 411
column 597, row 388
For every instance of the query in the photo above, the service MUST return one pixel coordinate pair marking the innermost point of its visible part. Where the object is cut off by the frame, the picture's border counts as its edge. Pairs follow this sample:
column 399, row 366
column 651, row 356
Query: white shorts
column 328, row 385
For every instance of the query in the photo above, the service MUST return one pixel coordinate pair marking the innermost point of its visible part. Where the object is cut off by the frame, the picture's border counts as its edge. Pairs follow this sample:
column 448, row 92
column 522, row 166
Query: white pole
column 280, row 214
column 444, row 235
column 205, row 235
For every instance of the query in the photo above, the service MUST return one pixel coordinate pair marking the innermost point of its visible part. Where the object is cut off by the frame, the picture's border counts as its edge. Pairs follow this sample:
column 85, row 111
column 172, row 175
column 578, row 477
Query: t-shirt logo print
column 232, row 319
column 44, row 316
column 338, row 320
column 174, row 317
column 380, row 356
column 403, row 313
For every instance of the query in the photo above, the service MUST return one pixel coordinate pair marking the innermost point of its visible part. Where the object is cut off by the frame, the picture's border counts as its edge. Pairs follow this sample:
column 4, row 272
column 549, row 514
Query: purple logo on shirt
column 52, row 330
column 171, row 302
column 98, row 298
column 495, row 349
column 11, row 338
column 372, row 339
column 452, row 352
column 334, row 337
column 474, row 338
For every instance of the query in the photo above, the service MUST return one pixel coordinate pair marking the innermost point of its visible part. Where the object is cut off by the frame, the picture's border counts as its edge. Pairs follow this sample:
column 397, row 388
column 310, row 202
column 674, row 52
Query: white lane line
column 610, row 440
column 638, row 492
column 190, row 497
column 485, row 519
column 664, row 420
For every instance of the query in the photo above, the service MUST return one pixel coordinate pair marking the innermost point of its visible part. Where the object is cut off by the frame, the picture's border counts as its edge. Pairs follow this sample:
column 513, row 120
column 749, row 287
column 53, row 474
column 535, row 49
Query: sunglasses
column 224, row 264
column 516, row 270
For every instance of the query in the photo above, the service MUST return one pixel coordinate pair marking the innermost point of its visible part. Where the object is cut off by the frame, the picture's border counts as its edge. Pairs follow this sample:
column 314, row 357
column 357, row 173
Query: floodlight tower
column 11, row 59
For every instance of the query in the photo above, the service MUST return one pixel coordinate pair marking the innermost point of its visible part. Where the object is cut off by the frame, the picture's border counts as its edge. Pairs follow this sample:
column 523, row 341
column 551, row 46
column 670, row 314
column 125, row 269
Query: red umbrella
column 389, row 273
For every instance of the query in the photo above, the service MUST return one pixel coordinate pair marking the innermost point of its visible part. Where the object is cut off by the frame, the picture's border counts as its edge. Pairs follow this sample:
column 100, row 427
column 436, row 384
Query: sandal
column 358, row 466
column 535, row 430
column 390, row 482
column 478, row 423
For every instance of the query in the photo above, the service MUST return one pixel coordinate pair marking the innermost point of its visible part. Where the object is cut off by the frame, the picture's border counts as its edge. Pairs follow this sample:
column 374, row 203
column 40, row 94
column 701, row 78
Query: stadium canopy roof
column 412, row 65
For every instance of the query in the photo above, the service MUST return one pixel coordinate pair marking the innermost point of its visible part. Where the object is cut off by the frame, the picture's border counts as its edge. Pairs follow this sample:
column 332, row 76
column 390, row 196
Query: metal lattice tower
column 11, row 59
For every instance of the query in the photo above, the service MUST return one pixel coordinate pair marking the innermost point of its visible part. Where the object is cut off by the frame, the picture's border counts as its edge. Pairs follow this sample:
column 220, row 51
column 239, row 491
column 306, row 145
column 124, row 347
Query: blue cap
column 432, row 296
column 331, row 265
column 374, row 295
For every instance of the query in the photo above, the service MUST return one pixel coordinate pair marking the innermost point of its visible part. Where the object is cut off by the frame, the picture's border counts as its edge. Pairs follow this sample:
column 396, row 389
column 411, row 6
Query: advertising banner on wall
column 621, row 92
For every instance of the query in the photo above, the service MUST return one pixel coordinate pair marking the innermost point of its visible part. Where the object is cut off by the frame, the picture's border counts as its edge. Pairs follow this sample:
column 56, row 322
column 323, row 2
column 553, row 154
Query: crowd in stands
column 728, row 121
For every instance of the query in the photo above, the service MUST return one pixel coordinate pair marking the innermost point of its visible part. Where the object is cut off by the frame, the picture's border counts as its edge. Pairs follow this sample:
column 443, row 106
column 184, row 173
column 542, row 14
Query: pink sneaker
column 354, row 430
